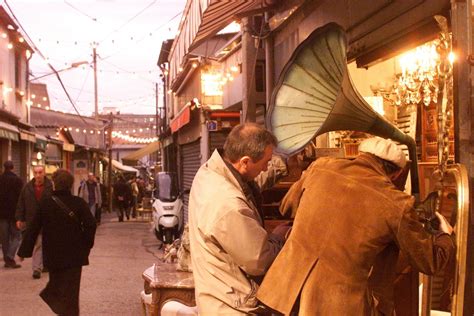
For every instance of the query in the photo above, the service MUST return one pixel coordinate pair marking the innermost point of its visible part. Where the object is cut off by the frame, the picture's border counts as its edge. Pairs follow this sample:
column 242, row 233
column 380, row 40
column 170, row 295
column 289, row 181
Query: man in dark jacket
column 32, row 193
column 122, row 197
column 10, row 236
column 67, row 240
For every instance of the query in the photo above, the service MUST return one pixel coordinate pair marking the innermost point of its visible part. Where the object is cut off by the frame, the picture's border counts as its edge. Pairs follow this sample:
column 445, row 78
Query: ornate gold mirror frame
column 455, row 179
column 443, row 293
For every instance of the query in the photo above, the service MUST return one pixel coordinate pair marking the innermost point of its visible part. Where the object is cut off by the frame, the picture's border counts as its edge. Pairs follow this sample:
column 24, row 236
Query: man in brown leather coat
column 350, row 225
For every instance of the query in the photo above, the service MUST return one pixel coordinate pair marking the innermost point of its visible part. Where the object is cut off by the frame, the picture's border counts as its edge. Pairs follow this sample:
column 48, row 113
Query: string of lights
column 21, row 38
column 129, row 20
column 115, row 134
column 76, row 98
column 150, row 34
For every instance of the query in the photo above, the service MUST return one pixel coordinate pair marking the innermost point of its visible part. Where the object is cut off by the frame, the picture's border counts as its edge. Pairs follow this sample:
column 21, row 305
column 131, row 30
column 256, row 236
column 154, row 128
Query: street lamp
column 73, row 65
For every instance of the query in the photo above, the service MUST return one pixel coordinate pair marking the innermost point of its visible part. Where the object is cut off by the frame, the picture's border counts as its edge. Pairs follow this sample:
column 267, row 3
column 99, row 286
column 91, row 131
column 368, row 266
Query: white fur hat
column 385, row 149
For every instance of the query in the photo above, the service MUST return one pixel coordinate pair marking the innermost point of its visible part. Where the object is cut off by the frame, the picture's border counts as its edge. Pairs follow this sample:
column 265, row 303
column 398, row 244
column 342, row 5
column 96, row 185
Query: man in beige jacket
column 229, row 245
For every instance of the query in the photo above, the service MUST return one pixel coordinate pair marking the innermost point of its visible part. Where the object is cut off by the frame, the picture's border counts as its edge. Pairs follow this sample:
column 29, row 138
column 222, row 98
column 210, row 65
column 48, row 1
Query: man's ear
column 244, row 161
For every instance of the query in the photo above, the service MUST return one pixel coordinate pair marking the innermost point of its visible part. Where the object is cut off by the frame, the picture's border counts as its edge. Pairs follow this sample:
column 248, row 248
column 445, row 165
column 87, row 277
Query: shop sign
column 212, row 126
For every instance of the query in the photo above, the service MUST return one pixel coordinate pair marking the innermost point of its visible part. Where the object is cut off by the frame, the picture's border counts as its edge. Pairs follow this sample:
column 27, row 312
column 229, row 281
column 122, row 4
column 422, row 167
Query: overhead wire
column 47, row 60
column 128, row 21
column 143, row 37
column 37, row 50
column 81, row 12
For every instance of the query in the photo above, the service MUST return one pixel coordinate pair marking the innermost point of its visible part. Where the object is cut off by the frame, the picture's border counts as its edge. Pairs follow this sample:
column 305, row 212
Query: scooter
column 168, row 208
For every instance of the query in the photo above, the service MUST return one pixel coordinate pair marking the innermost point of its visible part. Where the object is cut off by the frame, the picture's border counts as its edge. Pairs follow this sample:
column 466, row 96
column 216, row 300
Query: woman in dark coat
column 68, row 229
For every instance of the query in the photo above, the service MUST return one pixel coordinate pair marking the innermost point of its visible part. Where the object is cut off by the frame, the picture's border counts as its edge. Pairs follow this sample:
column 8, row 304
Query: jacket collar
column 47, row 184
column 217, row 163
column 374, row 163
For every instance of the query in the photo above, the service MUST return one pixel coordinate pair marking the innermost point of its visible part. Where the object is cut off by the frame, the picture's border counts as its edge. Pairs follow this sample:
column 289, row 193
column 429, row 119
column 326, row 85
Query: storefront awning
column 117, row 165
column 9, row 131
column 204, row 18
column 27, row 136
column 182, row 118
column 142, row 152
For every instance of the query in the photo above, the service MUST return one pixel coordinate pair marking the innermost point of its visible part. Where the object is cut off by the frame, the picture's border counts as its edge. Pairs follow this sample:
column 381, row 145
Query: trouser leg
column 120, row 212
column 4, row 239
column 37, row 256
column 14, row 240
column 98, row 214
column 93, row 209
column 134, row 206
column 127, row 211
column 62, row 291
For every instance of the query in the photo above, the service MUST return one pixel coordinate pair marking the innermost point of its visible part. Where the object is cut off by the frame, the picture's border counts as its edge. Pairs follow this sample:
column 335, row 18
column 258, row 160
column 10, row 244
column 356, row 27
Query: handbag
column 69, row 212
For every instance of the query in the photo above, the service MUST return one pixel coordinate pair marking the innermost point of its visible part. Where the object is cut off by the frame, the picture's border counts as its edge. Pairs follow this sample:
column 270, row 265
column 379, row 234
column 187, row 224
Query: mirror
column 443, row 293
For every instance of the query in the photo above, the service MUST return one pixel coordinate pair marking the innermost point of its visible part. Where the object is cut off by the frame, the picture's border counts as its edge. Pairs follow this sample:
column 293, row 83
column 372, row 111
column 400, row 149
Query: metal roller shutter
column 16, row 157
column 217, row 140
column 190, row 163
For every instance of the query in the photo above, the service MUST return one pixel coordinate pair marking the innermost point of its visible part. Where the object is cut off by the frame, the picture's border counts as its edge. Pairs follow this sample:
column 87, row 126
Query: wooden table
column 168, row 285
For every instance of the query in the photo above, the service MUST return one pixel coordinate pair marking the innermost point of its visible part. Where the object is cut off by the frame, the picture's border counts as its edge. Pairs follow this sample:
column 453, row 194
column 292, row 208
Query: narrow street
column 110, row 285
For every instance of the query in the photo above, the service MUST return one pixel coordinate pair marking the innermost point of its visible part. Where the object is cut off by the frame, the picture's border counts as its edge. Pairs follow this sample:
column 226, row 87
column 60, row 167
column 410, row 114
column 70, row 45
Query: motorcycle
column 168, row 208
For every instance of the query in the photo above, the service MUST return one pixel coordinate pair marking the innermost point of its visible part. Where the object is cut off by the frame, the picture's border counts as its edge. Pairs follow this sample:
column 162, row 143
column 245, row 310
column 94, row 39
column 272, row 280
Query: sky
column 129, row 34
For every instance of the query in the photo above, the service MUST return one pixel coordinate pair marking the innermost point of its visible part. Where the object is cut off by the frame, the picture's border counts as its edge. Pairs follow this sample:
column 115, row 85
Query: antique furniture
column 166, row 284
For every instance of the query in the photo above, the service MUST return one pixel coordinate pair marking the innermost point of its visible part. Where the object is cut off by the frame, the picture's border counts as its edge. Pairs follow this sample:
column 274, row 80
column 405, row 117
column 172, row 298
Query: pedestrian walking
column 89, row 191
column 122, row 198
column 135, row 191
column 68, row 229
column 10, row 235
column 104, row 199
column 31, row 195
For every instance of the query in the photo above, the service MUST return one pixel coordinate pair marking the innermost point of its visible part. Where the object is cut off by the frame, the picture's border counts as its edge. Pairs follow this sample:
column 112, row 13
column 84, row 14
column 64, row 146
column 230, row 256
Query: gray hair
column 248, row 139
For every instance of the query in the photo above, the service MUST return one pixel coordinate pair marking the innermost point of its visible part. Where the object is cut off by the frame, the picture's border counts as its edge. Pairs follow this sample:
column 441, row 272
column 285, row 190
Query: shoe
column 12, row 264
column 36, row 274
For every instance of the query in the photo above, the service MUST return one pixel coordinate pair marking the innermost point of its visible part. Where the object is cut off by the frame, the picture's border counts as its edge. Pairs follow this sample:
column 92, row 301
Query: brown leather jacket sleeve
column 428, row 253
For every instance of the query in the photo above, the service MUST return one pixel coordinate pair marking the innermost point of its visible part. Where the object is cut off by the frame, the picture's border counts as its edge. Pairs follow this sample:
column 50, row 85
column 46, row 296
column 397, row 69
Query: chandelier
column 418, row 81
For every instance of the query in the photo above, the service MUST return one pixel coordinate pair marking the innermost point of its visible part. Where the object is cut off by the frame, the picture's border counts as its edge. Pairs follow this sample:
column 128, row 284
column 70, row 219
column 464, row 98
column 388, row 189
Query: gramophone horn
column 315, row 95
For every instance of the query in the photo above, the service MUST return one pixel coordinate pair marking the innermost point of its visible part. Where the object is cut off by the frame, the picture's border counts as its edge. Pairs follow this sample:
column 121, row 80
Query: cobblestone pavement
column 110, row 285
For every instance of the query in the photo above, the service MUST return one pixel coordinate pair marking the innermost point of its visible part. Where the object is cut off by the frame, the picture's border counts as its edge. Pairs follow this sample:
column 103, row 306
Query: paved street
column 110, row 285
